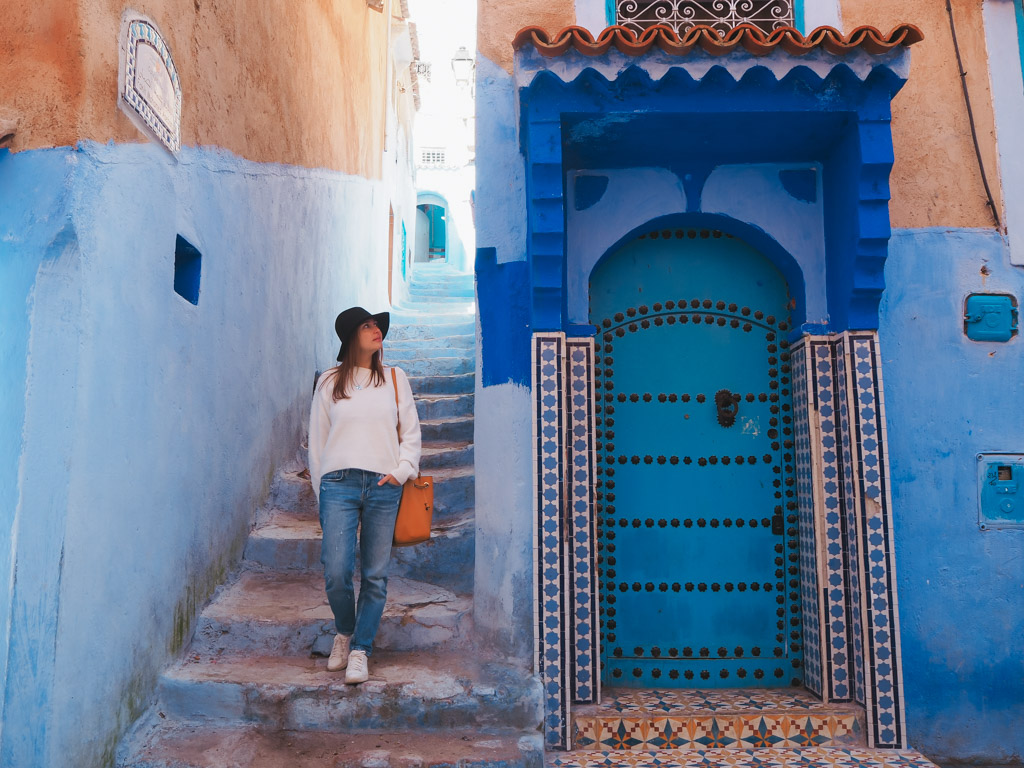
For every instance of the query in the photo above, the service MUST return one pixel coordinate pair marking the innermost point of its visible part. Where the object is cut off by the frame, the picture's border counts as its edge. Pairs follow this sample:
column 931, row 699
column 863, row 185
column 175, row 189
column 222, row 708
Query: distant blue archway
column 432, row 231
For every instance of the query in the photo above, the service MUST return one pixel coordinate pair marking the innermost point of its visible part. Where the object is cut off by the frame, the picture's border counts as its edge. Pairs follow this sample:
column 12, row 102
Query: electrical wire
column 970, row 117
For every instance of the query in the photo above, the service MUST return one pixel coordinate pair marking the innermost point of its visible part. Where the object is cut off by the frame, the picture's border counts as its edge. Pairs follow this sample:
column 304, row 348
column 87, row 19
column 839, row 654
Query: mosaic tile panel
column 671, row 701
column 880, row 615
column 550, row 547
column 805, row 475
column 843, row 504
column 831, row 514
column 808, row 757
column 850, row 527
column 162, row 115
column 582, row 619
column 736, row 731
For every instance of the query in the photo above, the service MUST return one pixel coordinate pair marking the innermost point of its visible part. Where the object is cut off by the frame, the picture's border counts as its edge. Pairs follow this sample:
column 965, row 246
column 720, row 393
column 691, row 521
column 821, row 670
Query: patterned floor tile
column 703, row 731
column 693, row 701
column 809, row 757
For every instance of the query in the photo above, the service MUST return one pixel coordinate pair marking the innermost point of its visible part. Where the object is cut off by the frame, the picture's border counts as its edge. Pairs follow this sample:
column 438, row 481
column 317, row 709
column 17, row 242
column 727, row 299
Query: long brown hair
column 343, row 373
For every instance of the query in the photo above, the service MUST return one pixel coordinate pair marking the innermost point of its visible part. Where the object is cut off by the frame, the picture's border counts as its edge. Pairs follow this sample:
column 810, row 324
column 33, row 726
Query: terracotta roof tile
column 745, row 36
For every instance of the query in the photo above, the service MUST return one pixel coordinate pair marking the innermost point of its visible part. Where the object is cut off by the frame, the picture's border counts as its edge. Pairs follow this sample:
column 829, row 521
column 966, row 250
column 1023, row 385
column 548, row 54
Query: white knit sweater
column 361, row 431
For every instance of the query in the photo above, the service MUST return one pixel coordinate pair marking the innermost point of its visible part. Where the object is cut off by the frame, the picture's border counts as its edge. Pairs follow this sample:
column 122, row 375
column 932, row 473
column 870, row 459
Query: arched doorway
column 698, row 556
column 431, row 229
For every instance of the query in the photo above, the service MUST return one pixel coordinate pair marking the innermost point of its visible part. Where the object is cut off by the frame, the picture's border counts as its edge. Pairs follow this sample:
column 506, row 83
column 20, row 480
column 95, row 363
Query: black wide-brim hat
column 347, row 322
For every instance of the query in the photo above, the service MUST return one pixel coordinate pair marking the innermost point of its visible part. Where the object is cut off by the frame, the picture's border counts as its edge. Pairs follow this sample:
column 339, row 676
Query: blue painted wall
column 503, row 580
column 152, row 426
column 26, row 243
column 961, row 590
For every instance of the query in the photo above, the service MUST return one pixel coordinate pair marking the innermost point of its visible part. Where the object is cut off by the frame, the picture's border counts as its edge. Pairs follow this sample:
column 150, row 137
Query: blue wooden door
column 697, row 521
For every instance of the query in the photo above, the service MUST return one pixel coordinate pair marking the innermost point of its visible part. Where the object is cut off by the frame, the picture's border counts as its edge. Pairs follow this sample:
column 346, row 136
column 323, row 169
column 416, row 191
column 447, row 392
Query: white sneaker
column 339, row 653
column 358, row 671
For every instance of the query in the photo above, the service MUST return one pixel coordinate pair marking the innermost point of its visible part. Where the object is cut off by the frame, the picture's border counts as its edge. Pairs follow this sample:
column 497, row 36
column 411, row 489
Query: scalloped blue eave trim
column 856, row 159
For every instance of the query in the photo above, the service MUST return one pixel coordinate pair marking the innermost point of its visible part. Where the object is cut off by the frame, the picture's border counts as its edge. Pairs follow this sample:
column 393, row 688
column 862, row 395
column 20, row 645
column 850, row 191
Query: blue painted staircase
column 253, row 690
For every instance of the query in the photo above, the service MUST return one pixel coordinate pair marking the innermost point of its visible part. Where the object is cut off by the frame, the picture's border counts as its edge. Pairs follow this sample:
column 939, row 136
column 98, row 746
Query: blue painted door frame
column 690, row 125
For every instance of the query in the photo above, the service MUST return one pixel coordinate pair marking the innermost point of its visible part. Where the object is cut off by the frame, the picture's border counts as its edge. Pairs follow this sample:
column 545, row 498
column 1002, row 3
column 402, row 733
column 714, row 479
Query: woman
column 362, row 448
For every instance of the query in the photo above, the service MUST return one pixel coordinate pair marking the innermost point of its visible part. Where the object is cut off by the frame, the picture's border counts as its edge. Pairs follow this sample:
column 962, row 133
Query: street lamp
column 463, row 65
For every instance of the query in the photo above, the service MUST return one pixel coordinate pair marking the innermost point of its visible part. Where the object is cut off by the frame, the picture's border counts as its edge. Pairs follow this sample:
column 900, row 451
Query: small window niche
column 188, row 263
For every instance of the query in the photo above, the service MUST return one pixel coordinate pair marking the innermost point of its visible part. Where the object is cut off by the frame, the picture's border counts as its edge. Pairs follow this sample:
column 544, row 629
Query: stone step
column 457, row 384
column 433, row 366
column 286, row 540
column 414, row 690
column 736, row 718
column 438, row 272
column 444, row 406
column 433, row 330
column 803, row 757
column 292, row 491
column 445, row 560
column 430, row 287
column 420, row 278
column 163, row 744
column 465, row 344
column 286, row 613
column 447, row 429
column 433, row 313
column 439, row 455
column 422, row 294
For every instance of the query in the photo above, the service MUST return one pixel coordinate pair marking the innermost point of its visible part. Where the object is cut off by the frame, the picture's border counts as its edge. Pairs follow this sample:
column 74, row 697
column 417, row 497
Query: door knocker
column 728, row 405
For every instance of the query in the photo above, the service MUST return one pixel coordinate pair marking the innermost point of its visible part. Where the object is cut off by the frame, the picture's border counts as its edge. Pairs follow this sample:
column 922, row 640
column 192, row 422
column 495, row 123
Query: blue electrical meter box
column 1000, row 490
column 990, row 317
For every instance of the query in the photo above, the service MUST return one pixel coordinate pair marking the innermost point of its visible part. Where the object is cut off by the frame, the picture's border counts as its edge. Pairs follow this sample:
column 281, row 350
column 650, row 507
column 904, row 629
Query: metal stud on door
column 698, row 555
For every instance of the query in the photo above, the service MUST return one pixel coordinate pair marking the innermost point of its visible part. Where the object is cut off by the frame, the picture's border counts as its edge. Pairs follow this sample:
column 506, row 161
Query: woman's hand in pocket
column 388, row 479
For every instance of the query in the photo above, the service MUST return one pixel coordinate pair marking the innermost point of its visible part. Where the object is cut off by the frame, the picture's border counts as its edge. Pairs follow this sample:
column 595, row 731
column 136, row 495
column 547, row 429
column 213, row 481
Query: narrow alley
column 248, row 688
column 703, row 318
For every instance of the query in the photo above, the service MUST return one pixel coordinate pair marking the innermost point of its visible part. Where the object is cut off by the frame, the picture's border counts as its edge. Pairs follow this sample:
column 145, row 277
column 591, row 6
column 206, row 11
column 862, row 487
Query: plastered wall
column 301, row 82
column 497, row 24
column 935, row 180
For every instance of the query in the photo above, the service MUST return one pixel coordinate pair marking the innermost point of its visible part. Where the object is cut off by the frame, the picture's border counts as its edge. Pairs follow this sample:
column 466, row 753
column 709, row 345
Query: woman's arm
column 409, row 441
column 319, row 428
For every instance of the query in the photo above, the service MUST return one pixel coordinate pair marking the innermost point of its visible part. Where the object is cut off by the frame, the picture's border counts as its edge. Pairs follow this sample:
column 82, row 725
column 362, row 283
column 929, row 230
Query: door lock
column 728, row 405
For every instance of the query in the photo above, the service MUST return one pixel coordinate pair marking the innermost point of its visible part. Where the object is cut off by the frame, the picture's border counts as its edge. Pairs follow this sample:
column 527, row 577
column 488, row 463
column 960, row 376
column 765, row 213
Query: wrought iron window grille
column 720, row 15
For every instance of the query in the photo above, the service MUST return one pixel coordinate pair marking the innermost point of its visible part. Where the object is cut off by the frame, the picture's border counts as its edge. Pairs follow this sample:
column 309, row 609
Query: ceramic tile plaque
column 149, row 90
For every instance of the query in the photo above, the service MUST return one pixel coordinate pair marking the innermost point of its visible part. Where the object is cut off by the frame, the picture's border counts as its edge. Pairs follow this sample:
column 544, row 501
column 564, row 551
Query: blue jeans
column 350, row 499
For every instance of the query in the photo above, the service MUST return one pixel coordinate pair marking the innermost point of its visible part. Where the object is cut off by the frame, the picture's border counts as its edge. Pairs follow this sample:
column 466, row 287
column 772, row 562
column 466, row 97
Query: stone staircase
column 253, row 689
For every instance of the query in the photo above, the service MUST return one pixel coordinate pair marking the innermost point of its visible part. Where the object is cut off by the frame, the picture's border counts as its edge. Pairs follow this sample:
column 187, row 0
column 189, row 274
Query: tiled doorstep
column 807, row 757
column 768, row 729
column 735, row 719
column 686, row 701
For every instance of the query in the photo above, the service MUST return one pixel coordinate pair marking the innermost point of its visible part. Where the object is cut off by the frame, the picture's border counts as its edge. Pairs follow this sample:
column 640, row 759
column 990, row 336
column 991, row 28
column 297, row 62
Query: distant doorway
column 431, row 229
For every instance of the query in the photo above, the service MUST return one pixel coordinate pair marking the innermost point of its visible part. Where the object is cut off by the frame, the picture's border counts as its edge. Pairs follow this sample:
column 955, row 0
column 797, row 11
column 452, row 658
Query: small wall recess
column 187, row 269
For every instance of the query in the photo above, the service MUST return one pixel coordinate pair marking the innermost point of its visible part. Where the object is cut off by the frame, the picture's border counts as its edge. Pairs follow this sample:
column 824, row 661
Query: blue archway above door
column 757, row 238
column 832, row 113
